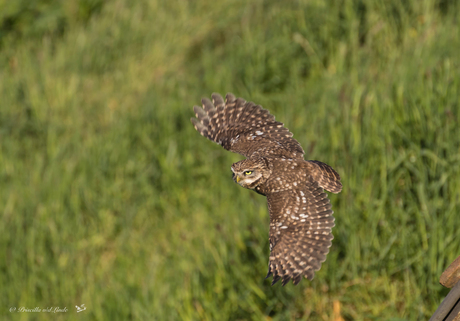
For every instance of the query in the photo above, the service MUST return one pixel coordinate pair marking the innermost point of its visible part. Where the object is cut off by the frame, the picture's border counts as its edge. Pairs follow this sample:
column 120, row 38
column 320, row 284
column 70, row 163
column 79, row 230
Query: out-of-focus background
column 111, row 199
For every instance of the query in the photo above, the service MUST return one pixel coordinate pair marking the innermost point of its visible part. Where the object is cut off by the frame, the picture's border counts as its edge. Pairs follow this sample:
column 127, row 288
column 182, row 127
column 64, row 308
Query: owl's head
column 250, row 173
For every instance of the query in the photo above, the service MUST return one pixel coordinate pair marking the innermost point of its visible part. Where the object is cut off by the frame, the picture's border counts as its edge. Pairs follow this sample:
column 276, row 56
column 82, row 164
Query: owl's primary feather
column 300, row 213
column 244, row 128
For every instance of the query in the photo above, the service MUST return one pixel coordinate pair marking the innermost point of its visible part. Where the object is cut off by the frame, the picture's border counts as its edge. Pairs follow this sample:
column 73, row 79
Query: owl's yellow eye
column 247, row 172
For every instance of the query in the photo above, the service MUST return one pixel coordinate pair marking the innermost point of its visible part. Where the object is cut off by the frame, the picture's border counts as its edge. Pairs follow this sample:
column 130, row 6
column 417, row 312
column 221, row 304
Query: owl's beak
column 238, row 179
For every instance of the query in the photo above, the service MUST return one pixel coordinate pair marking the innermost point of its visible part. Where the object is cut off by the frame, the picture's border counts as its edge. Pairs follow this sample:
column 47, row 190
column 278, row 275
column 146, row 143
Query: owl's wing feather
column 326, row 176
column 301, row 224
column 244, row 128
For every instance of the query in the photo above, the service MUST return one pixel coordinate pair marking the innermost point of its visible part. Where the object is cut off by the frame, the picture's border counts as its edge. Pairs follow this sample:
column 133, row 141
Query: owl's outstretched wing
column 300, row 232
column 325, row 175
column 244, row 128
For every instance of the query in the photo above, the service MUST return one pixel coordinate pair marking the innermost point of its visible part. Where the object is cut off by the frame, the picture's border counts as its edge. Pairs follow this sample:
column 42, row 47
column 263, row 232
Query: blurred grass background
column 111, row 199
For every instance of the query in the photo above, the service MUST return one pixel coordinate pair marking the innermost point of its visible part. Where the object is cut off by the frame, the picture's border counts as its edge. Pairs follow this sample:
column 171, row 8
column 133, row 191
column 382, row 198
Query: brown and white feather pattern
column 301, row 224
column 245, row 128
column 301, row 218
column 326, row 176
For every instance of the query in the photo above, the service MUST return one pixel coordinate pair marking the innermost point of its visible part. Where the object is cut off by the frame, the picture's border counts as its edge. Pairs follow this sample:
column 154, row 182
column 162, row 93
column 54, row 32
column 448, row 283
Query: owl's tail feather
column 326, row 177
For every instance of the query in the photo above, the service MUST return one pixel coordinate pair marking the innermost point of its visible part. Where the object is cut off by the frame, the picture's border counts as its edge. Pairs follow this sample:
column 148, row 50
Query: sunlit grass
column 111, row 199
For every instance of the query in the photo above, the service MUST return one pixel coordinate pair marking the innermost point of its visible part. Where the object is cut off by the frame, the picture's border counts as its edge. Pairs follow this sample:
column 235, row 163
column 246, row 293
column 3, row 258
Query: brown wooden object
column 449, row 309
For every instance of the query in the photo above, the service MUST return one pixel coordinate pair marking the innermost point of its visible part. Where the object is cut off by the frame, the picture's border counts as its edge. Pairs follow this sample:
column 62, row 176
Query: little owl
column 300, row 212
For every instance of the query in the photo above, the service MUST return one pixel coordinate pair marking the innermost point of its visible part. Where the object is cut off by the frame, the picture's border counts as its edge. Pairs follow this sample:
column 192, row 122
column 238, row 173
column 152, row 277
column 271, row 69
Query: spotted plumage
column 300, row 213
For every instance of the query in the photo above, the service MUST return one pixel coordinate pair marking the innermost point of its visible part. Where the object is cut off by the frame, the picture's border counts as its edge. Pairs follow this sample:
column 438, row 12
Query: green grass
column 111, row 199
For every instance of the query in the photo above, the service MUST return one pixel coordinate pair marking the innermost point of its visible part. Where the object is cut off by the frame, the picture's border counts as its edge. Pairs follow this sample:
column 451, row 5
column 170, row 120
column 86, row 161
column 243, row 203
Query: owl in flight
column 300, row 213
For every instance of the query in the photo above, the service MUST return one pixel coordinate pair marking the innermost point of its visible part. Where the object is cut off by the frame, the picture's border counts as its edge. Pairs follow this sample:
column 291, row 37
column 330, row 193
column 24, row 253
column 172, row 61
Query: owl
column 300, row 212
